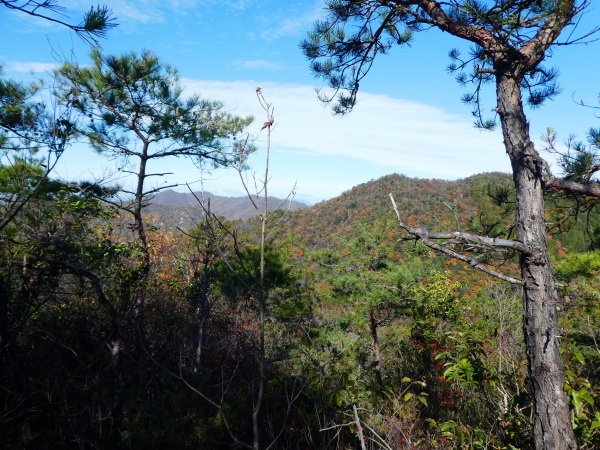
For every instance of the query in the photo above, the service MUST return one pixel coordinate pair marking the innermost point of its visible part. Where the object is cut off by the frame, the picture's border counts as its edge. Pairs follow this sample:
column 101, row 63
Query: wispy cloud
column 31, row 66
column 240, row 4
column 148, row 11
column 327, row 155
column 403, row 136
column 295, row 25
column 258, row 64
column 296, row 152
column 151, row 13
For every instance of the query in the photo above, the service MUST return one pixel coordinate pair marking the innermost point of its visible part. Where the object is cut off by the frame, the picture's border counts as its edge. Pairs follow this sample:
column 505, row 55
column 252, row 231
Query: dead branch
column 426, row 237
column 457, row 236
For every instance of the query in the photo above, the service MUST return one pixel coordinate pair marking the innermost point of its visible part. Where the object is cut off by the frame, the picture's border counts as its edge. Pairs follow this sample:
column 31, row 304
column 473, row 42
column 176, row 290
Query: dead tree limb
column 426, row 237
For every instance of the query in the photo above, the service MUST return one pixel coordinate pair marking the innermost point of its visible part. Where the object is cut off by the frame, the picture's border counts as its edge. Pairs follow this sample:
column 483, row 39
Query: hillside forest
column 363, row 340
column 123, row 326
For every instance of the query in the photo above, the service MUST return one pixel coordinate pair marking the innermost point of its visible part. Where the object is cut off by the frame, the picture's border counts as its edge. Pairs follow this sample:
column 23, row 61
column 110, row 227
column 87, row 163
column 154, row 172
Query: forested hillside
column 424, row 202
column 403, row 314
column 480, row 203
column 361, row 337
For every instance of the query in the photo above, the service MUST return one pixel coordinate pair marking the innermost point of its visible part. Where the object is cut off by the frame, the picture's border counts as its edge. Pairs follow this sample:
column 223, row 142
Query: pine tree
column 132, row 109
column 511, row 39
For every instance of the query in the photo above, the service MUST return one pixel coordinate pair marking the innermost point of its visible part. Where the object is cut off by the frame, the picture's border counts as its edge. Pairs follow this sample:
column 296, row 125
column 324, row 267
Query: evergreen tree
column 511, row 39
column 132, row 109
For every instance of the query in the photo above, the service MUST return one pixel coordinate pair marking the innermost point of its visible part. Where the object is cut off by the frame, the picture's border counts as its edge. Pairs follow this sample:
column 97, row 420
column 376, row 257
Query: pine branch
column 95, row 22
column 575, row 188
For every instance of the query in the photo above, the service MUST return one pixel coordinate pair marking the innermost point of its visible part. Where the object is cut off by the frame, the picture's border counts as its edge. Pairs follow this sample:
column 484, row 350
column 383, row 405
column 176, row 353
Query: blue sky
column 409, row 118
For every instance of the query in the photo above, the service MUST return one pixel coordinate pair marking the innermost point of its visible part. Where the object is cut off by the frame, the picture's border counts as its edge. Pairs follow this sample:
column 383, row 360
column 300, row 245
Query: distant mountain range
column 182, row 209
column 439, row 205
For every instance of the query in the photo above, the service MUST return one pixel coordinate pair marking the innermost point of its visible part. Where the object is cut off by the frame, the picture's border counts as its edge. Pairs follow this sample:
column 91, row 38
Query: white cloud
column 147, row 11
column 296, row 25
column 30, row 66
column 153, row 11
column 240, row 4
column 401, row 135
column 327, row 155
column 258, row 64
column 127, row 10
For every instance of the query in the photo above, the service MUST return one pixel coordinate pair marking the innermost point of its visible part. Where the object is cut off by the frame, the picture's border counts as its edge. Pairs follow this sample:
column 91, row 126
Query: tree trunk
column 115, row 344
column 140, row 301
column 376, row 347
column 204, row 309
column 361, row 436
column 552, row 424
column 204, row 301
column 138, row 206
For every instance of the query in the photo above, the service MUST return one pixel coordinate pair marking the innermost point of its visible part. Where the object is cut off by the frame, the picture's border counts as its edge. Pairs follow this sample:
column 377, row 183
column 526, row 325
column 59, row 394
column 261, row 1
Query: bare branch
column 425, row 236
column 94, row 25
column 203, row 396
column 337, row 426
column 457, row 236
column 486, row 70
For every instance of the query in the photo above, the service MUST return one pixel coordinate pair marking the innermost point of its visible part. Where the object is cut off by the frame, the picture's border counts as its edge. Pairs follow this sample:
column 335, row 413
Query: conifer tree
column 510, row 38
column 132, row 109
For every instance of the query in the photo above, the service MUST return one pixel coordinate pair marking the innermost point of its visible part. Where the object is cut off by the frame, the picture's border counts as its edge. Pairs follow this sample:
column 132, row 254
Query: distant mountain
column 435, row 204
column 182, row 209
column 438, row 205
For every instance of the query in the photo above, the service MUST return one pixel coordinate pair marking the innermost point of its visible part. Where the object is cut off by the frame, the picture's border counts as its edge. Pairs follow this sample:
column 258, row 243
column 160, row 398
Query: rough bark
column 514, row 37
column 575, row 188
column 552, row 424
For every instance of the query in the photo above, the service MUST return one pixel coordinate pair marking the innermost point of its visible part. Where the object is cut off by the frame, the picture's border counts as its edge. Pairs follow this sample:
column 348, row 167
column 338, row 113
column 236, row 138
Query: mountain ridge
column 183, row 209
column 433, row 203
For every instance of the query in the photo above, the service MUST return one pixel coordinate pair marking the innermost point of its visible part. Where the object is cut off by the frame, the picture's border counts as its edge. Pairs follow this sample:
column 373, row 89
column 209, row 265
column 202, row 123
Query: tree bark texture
column 552, row 423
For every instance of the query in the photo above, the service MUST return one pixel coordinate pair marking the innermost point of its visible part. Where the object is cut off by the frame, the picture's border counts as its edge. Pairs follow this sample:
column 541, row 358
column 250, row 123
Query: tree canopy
column 132, row 106
column 343, row 47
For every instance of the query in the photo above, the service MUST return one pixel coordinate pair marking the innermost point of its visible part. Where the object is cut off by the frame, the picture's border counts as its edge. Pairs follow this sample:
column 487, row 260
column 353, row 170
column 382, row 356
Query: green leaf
column 577, row 403
column 337, row 399
column 432, row 423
